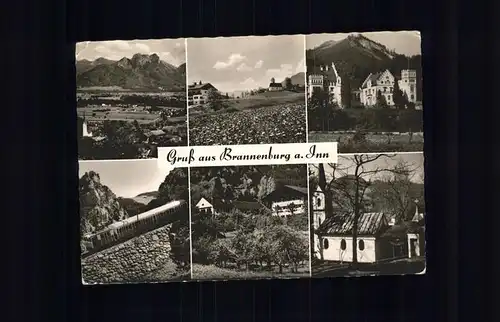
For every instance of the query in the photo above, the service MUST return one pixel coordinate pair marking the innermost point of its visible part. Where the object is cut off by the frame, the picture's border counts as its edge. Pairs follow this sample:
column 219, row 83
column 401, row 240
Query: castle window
column 389, row 97
column 411, row 96
column 361, row 244
column 412, row 88
column 318, row 201
column 343, row 244
column 325, row 244
column 385, row 89
column 390, row 89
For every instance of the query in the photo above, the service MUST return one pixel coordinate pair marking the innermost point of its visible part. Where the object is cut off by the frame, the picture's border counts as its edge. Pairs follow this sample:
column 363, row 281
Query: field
column 373, row 142
column 252, row 102
column 117, row 114
column 212, row 272
column 284, row 123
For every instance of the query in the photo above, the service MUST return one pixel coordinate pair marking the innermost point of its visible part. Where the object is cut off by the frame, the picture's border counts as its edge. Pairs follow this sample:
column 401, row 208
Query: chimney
column 392, row 222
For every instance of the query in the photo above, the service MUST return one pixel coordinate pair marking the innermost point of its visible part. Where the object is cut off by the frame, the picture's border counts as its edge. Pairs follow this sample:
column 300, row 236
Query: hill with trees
column 356, row 56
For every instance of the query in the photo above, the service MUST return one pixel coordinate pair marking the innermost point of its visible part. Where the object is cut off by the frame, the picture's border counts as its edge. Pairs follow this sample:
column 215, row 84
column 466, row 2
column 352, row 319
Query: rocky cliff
column 99, row 206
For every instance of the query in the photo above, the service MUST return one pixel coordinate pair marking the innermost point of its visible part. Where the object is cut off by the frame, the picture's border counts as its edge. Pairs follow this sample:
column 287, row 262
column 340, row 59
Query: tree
column 346, row 93
column 398, row 96
column 381, row 101
column 288, row 83
column 214, row 99
column 397, row 191
column 350, row 188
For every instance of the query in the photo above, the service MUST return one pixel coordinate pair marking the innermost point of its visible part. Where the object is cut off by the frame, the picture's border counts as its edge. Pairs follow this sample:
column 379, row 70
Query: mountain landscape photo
column 131, row 97
column 372, row 85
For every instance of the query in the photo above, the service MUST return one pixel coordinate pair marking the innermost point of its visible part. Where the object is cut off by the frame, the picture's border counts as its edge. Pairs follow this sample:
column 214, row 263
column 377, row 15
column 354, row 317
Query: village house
column 334, row 238
column 197, row 93
column 327, row 76
column 274, row 87
column 205, row 207
column 287, row 200
column 383, row 83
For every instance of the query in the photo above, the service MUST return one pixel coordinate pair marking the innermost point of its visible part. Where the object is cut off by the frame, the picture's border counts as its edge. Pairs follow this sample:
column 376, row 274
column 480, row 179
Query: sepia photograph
column 364, row 91
column 368, row 215
column 131, row 97
column 246, row 90
column 134, row 222
column 249, row 222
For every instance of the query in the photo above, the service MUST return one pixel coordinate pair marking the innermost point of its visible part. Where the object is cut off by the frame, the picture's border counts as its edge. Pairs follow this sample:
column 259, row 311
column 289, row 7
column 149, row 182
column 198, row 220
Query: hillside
column 356, row 56
column 297, row 79
column 139, row 72
column 99, row 206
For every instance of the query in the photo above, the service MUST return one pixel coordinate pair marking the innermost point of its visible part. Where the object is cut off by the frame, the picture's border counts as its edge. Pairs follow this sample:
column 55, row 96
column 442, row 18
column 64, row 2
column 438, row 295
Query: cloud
column 231, row 61
column 142, row 47
column 301, row 66
column 244, row 68
column 259, row 64
column 171, row 59
column 285, row 70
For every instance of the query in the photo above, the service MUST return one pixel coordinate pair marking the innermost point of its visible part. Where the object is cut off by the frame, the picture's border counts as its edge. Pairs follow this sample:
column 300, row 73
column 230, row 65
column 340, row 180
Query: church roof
column 203, row 203
column 275, row 85
column 369, row 224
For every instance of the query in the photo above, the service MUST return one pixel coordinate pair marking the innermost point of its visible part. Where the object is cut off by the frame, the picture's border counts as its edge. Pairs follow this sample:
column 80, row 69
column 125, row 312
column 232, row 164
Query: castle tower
column 408, row 84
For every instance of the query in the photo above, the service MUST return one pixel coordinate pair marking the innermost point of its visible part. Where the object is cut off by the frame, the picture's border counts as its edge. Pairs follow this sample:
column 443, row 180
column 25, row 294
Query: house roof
column 280, row 188
column 202, row 86
column 203, row 203
column 400, row 230
column 369, row 224
column 155, row 133
column 275, row 85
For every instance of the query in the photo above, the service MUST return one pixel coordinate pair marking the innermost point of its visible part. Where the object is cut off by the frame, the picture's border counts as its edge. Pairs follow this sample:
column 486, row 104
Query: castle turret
column 408, row 84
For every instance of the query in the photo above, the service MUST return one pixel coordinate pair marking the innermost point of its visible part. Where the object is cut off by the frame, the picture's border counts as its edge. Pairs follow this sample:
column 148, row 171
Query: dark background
column 44, row 279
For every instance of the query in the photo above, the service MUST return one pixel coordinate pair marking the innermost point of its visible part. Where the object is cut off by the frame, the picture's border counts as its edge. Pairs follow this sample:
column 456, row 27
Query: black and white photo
column 364, row 91
column 134, row 222
column 131, row 97
column 367, row 215
column 246, row 90
column 249, row 222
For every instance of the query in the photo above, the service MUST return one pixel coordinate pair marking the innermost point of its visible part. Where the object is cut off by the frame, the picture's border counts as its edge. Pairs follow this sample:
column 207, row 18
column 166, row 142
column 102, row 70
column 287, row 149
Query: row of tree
column 260, row 242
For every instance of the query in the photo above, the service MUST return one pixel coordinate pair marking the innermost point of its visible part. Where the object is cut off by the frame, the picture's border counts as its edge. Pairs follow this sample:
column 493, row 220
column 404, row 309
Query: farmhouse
column 287, row 200
column 383, row 83
column 274, row 87
column 205, row 207
column 197, row 93
column 334, row 238
column 320, row 77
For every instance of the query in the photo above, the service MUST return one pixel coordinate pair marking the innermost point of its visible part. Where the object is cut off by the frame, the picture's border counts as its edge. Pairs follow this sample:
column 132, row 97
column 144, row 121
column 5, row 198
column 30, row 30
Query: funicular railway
column 134, row 226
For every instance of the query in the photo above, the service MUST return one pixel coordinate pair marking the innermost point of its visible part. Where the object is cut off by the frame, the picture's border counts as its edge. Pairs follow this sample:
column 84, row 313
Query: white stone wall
column 334, row 252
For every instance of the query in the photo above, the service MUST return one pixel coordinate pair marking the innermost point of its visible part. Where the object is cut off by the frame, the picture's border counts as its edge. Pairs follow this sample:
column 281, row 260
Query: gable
column 203, row 203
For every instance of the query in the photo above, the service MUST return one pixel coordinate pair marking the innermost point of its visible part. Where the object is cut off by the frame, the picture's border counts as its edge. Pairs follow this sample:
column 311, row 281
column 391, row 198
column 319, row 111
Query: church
column 274, row 87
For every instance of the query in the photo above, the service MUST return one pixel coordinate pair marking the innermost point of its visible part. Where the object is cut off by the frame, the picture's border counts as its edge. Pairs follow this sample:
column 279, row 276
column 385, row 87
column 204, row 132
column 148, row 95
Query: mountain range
column 141, row 72
column 297, row 79
column 356, row 56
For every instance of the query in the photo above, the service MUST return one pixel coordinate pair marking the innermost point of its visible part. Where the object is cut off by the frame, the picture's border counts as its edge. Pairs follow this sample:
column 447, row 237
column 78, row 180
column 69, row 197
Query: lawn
column 212, row 272
column 374, row 142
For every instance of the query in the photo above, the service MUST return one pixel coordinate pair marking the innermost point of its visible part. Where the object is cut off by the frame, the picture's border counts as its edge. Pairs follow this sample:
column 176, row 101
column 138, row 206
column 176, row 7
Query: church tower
column 318, row 204
column 272, row 80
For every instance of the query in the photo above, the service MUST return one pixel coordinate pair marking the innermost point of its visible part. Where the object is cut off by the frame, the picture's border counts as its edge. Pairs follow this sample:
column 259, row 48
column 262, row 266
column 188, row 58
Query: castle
column 325, row 77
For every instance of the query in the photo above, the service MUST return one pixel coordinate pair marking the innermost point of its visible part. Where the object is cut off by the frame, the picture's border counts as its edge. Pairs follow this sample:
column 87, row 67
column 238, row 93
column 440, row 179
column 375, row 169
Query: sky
column 171, row 51
column 244, row 63
column 403, row 42
column 414, row 160
column 127, row 178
